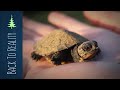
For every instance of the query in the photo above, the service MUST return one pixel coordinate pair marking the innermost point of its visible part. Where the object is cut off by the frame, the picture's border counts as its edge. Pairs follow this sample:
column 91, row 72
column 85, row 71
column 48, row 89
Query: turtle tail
column 35, row 56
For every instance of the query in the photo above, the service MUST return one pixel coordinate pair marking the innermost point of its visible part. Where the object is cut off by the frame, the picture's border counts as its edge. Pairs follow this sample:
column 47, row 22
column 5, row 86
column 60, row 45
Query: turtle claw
column 50, row 61
column 81, row 60
column 62, row 63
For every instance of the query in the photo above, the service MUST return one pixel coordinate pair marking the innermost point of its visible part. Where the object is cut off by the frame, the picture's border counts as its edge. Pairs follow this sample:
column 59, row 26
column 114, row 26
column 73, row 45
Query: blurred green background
column 41, row 16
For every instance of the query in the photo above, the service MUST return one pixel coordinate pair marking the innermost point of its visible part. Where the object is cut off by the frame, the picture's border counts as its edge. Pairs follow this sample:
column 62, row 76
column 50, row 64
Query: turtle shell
column 57, row 40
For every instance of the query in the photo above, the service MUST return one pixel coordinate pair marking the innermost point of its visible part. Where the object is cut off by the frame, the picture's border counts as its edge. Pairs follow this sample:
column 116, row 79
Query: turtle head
column 88, row 49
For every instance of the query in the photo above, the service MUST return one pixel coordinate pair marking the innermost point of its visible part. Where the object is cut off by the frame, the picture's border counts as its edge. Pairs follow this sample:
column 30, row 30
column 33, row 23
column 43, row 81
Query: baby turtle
column 62, row 46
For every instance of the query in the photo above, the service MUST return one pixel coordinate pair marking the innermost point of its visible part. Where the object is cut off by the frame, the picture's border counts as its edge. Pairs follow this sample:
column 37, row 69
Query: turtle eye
column 87, row 47
column 96, row 45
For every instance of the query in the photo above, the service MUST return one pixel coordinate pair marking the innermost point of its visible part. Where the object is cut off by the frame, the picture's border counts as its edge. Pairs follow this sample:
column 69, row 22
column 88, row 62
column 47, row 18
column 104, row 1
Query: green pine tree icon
column 11, row 24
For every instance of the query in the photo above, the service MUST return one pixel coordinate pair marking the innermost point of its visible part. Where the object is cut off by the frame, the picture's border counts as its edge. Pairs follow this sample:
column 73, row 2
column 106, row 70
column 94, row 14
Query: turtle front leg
column 58, row 58
column 35, row 56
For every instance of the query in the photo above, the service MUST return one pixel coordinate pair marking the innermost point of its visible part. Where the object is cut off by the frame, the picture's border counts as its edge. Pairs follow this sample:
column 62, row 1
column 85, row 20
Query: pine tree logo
column 11, row 24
